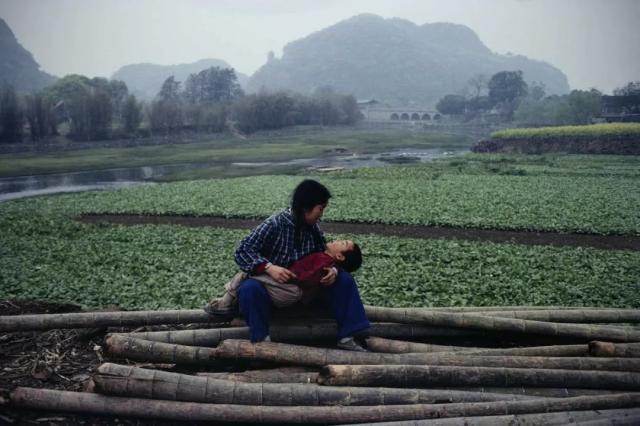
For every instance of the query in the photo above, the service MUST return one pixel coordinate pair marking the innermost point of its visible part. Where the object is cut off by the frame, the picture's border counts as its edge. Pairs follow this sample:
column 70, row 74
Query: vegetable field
column 46, row 254
column 517, row 197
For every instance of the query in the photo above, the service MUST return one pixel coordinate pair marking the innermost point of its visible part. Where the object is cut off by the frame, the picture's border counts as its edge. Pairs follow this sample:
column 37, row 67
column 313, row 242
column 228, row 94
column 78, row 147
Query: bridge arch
column 404, row 116
column 426, row 116
column 394, row 116
column 415, row 116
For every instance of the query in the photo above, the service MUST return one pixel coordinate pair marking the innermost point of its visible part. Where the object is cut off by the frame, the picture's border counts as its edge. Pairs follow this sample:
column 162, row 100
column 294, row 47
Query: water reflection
column 27, row 186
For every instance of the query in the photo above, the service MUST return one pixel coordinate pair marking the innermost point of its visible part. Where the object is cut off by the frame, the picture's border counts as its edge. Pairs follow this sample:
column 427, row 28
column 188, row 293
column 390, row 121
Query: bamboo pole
column 610, row 417
column 574, row 316
column 422, row 376
column 486, row 322
column 123, row 380
column 534, row 391
column 614, row 349
column 83, row 402
column 378, row 344
column 312, row 356
column 15, row 323
column 145, row 350
column 272, row 375
column 298, row 332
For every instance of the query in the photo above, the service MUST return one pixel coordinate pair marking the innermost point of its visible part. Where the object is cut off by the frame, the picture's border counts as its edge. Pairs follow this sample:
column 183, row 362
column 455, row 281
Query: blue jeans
column 342, row 297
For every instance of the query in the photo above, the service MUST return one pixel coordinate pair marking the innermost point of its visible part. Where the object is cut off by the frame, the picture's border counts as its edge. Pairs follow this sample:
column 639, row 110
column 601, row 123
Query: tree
column 39, row 115
column 632, row 88
column 506, row 89
column 118, row 92
column 131, row 114
column 212, row 86
column 584, row 105
column 477, row 85
column 350, row 110
column 11, row 116
column 452, row 104
column 166, row 111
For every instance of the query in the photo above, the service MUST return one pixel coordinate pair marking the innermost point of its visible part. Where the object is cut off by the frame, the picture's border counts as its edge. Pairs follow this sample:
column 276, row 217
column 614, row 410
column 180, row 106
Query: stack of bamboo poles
column 582, row 369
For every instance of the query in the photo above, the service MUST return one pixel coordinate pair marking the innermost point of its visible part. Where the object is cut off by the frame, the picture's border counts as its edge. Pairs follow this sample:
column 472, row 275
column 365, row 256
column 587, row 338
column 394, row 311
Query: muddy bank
column 607, row 242
column 613, row 146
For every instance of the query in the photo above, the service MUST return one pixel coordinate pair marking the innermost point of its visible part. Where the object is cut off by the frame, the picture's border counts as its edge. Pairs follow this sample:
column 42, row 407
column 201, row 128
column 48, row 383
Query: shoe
column 214, row 309
column 350, row 345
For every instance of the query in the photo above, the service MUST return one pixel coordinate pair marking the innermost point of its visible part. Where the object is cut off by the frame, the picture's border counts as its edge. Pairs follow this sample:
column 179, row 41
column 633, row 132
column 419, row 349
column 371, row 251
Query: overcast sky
column 596, row 43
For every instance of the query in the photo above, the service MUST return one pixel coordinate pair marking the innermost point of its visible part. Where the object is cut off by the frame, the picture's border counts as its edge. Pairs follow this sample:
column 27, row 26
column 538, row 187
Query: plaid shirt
column 273, row 241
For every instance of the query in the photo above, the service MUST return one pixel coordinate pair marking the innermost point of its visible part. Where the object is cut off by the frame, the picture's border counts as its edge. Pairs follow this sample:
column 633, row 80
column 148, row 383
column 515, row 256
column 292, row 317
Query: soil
column 601, row 145
column 606, row 242
column 56, row 359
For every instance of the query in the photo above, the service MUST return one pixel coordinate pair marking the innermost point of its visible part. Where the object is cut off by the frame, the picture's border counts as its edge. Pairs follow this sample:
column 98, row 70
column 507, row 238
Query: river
column 34, row 185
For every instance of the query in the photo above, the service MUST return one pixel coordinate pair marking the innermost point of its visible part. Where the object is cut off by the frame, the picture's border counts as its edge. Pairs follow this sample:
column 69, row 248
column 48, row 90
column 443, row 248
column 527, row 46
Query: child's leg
column 344, row 298
column 255, row 306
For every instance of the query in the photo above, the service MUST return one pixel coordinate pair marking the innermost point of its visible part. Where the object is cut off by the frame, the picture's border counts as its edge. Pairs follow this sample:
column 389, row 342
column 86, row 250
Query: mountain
column 394, row 60
column 17, row 66
column 145, row 80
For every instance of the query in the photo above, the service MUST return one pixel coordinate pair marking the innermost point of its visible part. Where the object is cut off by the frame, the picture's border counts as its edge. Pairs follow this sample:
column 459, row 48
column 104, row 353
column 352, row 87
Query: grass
column 221, row 152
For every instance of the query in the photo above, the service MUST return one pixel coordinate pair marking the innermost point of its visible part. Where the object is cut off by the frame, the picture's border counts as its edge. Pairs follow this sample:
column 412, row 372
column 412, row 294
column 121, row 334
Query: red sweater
column 310, row 269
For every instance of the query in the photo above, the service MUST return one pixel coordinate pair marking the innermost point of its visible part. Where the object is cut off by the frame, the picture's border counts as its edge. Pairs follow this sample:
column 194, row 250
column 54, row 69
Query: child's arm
column 310, row 269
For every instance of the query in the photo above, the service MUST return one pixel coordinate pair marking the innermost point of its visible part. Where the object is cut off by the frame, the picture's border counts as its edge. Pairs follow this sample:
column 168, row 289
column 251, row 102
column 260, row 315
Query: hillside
column 394, row 60
column 145, row 80
column 17, row 66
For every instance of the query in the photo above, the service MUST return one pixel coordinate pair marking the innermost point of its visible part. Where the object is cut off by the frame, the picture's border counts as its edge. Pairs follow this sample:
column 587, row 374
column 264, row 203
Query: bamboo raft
column 444, row 366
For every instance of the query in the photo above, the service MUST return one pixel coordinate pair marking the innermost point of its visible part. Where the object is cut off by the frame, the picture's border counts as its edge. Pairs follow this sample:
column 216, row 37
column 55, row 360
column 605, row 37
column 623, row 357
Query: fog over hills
column 394, row 60
column 17, row 66
column 145, row 80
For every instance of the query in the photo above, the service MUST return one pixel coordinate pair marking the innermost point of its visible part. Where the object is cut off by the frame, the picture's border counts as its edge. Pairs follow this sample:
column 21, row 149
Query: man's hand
column 280, row 274
column 330, row 278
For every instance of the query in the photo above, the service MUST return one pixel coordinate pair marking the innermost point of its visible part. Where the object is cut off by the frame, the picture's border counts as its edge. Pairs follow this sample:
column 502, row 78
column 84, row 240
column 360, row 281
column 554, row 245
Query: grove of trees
column 87, row 109
column 505, row 96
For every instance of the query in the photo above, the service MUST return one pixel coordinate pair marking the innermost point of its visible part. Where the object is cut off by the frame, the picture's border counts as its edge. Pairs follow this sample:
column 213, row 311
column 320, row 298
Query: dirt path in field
column 607, row 242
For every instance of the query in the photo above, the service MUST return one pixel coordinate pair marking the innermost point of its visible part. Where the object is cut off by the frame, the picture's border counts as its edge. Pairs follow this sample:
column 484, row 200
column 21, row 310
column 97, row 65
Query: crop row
column 605, row 130
column 606, row 205
column 47, row 255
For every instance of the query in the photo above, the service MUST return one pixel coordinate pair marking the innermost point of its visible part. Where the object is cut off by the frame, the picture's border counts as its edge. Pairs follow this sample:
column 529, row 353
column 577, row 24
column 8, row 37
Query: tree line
column 506, row 97
column 210, row 101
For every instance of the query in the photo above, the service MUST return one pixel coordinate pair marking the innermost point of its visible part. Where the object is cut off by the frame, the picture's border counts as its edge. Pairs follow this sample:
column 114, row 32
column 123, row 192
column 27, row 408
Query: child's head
column 346, row 253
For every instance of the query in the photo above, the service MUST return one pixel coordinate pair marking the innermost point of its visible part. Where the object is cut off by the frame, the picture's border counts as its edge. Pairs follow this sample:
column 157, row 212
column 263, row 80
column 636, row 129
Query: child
column 343, row 254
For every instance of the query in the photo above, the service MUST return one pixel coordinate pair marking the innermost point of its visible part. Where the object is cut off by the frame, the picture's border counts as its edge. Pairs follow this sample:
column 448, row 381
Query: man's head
column 346, row 253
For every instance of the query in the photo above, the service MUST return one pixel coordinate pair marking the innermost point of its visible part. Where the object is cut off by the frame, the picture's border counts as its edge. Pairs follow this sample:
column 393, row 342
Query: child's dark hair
column 352, row 259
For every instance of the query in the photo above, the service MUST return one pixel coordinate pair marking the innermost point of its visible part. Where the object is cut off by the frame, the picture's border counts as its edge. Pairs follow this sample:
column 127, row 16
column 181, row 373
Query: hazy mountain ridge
column 144, row 80
column 17, row 66
column 394, row 60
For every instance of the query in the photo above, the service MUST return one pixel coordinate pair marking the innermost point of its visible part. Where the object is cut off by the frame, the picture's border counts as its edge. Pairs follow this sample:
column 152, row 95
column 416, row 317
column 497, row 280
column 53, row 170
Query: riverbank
column 221, row 152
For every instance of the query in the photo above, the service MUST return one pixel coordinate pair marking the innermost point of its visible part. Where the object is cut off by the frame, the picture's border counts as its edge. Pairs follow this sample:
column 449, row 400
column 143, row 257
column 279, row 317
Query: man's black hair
column 352, row 259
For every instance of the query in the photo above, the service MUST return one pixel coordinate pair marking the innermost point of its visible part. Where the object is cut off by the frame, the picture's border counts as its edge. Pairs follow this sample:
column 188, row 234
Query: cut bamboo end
column 607, row 349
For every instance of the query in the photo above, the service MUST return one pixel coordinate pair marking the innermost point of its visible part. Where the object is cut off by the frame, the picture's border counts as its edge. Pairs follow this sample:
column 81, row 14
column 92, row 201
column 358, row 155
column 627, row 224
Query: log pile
column 445, row 366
